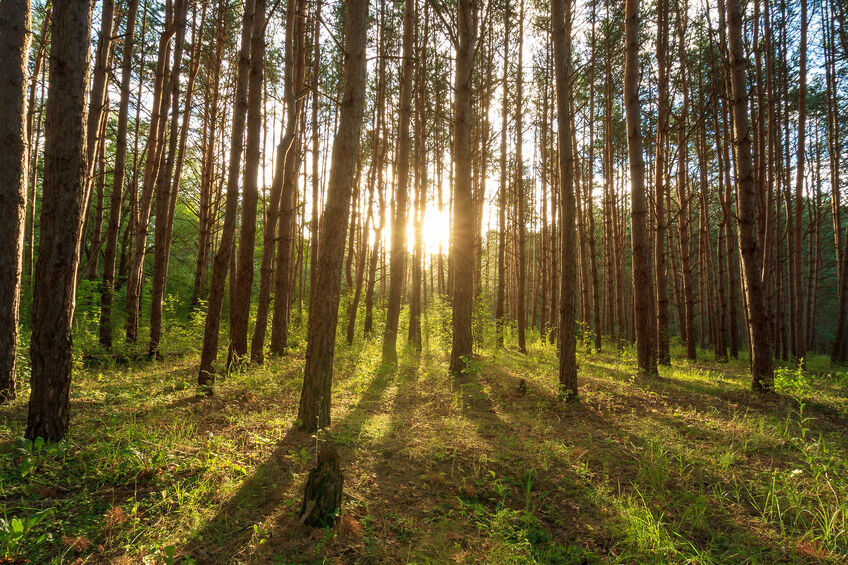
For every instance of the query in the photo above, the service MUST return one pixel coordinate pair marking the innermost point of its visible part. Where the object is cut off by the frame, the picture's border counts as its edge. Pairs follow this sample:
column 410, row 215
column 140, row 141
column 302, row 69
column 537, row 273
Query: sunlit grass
column 690, row 467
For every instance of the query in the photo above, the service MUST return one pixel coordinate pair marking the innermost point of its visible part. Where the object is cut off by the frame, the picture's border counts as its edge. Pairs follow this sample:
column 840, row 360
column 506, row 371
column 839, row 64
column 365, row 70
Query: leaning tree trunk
column 314, row 409
column 14, row 39
column 642, row 280
column 561, row 32
column 462, row 238
column 221, row 263
column 762, row 370
column 63, row 193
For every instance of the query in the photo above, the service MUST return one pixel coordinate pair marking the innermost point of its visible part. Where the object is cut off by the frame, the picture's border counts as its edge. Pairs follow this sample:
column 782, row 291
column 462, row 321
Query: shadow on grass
column 272, row 493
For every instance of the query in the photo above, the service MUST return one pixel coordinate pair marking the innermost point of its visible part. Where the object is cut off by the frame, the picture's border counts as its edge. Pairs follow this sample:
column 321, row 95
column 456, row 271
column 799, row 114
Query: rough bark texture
column 63, row 192
column 14, row 44
column 521, row 222
column 295, row 45
column 762, row 370
column 642, row 280
column 462, row 238
column 397, row 261
column 165, row 191
column 322, row 495
column 561, row 31
column 250, row 193
column 314, row 409
column 663, row 349
column 107, row 292
column 221, row 263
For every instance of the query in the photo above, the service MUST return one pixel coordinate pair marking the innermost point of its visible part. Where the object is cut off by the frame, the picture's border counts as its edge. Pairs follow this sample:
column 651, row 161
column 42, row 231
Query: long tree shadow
column 265, row 506
column 656, row 482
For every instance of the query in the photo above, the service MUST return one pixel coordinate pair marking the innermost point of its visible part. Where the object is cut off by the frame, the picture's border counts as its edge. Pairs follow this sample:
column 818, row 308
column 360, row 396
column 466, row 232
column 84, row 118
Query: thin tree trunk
column 221, row 263
column 642, row 279
column 240, row 307
column 398, row 257
column 314, row 409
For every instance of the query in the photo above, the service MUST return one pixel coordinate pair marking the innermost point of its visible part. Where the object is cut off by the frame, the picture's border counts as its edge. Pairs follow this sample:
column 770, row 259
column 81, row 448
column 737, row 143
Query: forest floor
column 687, row 468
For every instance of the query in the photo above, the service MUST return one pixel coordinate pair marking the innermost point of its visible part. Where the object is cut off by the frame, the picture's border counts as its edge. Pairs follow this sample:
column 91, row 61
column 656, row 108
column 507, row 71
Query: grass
column 687, row 468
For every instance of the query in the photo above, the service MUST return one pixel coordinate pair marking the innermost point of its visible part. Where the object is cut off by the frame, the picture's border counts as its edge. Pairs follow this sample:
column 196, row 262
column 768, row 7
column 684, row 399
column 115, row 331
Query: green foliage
column 15, row 533
column 794, row 381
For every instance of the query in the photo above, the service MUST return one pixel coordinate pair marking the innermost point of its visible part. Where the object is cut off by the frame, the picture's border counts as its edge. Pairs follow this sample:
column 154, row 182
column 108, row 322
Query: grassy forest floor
column 687, row 468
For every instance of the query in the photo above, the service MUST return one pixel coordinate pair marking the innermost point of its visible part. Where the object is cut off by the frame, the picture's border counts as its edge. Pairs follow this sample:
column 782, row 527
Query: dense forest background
column 252, row 189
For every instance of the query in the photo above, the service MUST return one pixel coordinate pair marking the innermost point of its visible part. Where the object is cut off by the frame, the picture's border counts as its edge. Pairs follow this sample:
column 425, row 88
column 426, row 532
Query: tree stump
column 322, row 497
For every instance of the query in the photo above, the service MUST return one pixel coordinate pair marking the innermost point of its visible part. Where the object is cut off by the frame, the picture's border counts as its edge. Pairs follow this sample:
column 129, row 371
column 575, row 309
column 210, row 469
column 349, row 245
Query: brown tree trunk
column 221, row 263
column 314, row 409
column 798, row 323
column 398, row 257
column 296, row 42
column 502, row 193
column 15, row 18
column 250, row 193
column 642, row 279
column 561, row 35
column 107, row 291
column 164, row 190
column 761, row 361
column 142, row 214
column 663, row 350
column 462, row 238
column 63, row 191
column 519, row 186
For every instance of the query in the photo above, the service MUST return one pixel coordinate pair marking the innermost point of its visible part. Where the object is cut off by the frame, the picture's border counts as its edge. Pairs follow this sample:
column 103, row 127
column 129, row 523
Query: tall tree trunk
column 142, row 214
column 561, row 35
column 761, row 362
column 107, row 290
column 164, row 190
column 314, row 409
column 519, row 186
column 288, row 200
column 462, row 238
column 15, row 16
column 663, row 350
column 798, row 323
column 221, row 263
column 63, row 191
column 642, row 279
column 502, row 192
column 398, row 257
column 250, row 195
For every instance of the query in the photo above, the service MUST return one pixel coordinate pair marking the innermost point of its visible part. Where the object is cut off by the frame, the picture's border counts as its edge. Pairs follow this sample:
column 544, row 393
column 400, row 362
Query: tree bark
column 561, row 31
column 221, row 263
column 398, row 257
column 462, row 238
column 314, row 409
column 250, row 193
column 762, row 370
column 107, row 290
column 642, row 279
column 65, row 168
column 15, row 20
